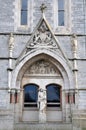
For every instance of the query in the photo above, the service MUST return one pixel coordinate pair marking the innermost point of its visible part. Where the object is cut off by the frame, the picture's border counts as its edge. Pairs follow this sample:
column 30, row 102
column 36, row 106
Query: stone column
column 12, row 96
column 75, row 68
column 74, row 48
column 42, row 101
column 75, row 71
column 11, row 46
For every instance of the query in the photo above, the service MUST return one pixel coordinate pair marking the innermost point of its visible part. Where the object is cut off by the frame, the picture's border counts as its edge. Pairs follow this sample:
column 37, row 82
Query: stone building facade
column 42, row 64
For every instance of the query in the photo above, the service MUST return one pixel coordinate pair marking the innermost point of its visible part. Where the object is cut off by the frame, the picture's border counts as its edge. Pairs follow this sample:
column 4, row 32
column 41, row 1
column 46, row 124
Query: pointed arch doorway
column 42, row 69
column 42, row 81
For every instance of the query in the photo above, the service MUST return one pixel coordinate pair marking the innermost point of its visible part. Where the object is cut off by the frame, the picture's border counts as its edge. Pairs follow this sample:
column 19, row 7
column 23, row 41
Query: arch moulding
column 54, row 58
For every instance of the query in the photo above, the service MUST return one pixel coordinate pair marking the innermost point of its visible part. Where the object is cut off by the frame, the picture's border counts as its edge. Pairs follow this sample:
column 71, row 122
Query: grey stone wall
column 82, row 74
column 78, row 15
column 3, row 73
column 22, row 36
column 3, row 46
column 6, row 16
column 19, row 44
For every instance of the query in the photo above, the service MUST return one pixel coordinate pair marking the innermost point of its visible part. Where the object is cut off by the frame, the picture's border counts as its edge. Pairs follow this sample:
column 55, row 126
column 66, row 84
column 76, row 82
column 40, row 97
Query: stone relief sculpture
column 42, row 37
column 42, row 67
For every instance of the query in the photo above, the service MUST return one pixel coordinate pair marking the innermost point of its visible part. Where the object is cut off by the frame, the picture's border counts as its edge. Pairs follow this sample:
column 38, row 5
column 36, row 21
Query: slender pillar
column 12, row 96
column 75, row 68
column 11, row 46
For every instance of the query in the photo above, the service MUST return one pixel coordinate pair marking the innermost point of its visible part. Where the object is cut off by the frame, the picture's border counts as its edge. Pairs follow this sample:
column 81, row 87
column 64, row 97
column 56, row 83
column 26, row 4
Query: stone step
column 47, row 126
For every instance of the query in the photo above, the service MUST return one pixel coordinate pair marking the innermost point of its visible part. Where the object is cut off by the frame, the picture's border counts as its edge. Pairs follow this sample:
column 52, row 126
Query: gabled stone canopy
column 42, row 38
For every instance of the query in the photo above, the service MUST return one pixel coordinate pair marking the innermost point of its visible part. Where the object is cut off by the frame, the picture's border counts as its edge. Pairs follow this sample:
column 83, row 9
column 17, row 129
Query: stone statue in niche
column 42, row 101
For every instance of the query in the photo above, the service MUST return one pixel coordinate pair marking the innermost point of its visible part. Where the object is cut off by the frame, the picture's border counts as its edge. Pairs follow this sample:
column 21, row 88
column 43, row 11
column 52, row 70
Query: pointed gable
column 42, row 37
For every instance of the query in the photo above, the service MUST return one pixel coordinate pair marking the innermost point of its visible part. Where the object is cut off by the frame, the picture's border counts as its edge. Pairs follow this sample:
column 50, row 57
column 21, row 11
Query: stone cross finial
column 42, row 8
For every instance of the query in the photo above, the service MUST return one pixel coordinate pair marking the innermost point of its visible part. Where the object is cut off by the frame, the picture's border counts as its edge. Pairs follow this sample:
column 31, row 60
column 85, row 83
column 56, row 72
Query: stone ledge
column 48, row 126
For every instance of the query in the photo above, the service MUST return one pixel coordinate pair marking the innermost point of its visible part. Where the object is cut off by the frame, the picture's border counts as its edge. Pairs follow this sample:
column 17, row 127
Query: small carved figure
column 11, row 41
column 42, row 100
column 74, row 42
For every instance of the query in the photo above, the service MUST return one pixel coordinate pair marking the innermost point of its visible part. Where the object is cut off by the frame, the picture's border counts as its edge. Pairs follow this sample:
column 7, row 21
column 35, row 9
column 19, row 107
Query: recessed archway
column 65, row 70
column 32, row 70
column 42, row 72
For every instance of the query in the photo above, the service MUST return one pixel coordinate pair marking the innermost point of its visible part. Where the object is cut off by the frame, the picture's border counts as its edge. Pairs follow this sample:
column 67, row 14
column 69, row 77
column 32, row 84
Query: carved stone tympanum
column 42, row 67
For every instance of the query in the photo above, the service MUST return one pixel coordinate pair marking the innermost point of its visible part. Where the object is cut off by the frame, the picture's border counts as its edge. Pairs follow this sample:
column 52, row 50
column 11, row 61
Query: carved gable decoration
column 42, row 37
column 42, row 67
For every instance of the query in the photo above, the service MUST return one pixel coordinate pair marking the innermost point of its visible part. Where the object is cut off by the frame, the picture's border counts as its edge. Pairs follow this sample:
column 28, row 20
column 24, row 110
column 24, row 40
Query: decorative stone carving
column 42, row 67
column 74, row 44
column 42, row 37
column 42, row 105
column 11, row 42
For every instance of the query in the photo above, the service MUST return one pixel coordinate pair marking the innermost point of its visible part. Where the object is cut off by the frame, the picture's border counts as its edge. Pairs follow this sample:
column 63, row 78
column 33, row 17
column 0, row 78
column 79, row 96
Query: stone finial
column 42, row 8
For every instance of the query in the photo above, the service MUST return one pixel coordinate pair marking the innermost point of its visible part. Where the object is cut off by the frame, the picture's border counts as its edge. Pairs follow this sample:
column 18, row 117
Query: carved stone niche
column 42, row 67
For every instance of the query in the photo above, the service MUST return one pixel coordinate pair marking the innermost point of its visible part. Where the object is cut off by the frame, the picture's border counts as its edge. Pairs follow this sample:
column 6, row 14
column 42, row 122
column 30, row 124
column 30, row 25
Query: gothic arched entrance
column 43, row 71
